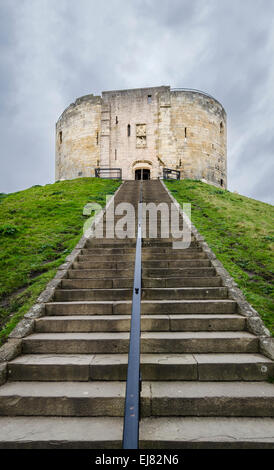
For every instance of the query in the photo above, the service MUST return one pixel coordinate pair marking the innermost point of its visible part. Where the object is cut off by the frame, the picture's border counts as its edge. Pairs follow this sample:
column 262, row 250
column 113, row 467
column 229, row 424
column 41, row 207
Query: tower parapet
column 145, row 129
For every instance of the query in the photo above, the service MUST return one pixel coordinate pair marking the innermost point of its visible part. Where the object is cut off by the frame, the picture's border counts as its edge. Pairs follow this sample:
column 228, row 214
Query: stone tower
column 145, row 129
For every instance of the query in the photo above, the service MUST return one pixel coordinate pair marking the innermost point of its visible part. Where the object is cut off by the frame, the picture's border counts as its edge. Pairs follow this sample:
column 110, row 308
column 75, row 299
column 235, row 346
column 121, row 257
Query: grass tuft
column 239, row 230
column 39, row 227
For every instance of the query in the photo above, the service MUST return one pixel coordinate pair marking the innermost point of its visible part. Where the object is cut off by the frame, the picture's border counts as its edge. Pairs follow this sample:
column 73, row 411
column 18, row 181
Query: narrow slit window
column 222, row 182
column 116, row 120
column 222, row 127
column 97, row 138
column 128, row 130
column 60, row 137
column 149, row 99
column 115, row 154
column 185, row 132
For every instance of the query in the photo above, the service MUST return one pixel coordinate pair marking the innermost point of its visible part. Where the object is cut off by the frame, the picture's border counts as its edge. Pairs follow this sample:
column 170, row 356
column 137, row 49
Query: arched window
column 128, row 130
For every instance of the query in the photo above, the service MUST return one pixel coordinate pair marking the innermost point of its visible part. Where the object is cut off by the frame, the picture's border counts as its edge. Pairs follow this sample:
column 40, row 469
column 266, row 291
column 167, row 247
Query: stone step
column 146, row 272
column 154, row 307
column 178, row 272
column 157, row 399
column 131, row 242
column 161, row 367
column 210, row 399
column 87, row 323
column 61, row 433
column 123, row 283
column 151, row 342
column 145, row 250
column 147, row 294
column 120, row 283
column 214, row 281
column 206, row 433
column 100, row 273
column 165, row 264
column 145, row 256
column 110, row 243
column 67, row 399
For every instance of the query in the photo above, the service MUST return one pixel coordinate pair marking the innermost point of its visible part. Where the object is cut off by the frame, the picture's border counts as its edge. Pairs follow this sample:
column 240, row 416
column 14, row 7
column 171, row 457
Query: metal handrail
column 169, row 173
column 194, row 90
column 106, row 173
column 133, row 387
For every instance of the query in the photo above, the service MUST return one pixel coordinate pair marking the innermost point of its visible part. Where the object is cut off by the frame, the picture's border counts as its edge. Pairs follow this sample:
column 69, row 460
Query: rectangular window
column 149, row 99
column 141, row 136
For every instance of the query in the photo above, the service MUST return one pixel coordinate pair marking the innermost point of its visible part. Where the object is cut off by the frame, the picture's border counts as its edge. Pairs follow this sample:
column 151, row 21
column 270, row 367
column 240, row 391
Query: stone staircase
column 204, row 380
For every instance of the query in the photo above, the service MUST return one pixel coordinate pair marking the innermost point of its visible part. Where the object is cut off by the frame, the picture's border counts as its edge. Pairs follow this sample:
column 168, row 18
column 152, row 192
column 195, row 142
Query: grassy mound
column 240, row 232
column 38, row 228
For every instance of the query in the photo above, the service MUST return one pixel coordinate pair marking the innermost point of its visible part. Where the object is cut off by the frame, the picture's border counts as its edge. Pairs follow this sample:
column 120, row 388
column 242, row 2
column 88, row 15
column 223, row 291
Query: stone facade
column 148, row 128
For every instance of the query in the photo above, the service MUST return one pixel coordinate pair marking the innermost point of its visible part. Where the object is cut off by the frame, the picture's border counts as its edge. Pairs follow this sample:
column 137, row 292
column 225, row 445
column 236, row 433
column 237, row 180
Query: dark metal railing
column 133, row 387
column 194, row 91
column 109, row 173
column 169, row 174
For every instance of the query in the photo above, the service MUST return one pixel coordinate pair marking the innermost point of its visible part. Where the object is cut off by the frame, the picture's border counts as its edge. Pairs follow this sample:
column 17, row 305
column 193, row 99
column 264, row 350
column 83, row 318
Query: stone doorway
column 142, row 174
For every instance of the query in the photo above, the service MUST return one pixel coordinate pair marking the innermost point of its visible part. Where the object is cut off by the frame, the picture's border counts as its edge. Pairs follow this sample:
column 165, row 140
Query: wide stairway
column 204, row 381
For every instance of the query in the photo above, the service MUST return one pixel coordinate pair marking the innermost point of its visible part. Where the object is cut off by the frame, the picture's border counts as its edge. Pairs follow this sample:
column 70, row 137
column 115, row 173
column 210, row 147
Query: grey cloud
column 53, row 52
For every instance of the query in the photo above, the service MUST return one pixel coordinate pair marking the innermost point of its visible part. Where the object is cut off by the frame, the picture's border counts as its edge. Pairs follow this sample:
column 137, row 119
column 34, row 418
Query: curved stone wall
column 149, row 128
column 78, row 139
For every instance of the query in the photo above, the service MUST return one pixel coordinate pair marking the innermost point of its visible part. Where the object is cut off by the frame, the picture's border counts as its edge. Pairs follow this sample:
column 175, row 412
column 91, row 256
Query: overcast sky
column 53, row 51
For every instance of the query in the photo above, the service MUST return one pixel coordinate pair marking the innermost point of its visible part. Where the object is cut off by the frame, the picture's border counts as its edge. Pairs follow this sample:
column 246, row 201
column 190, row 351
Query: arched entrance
column 142, row 173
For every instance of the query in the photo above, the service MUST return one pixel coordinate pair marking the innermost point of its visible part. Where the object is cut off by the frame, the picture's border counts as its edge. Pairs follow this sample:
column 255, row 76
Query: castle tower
column 145, row 129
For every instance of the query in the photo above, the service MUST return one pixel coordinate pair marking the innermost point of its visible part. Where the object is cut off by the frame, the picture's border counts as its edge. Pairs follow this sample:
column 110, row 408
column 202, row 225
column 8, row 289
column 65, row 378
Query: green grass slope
column 39, row 227
column 240, row 232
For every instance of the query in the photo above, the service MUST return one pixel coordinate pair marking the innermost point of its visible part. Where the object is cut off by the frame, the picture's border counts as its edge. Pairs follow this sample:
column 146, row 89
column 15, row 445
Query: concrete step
column 151, row 342
column 100, row 273
column 123, row 283
column 211, row 399
column 110, row 243
column 145, row 256
column 214, row 281
column 67, row 399
column 62, row 399
column 184, row 293
column 165, row 264
column 207, row 433
column 145, row 250
column 131, row 242
column 120, row 283
column 61, row 433
column 178, row 272
column 87, row 323
column 159, row 367
column 153, row 307
column 146, row 272
column 92, row 294
column 157, row 399
column 147, row 294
